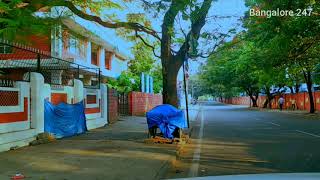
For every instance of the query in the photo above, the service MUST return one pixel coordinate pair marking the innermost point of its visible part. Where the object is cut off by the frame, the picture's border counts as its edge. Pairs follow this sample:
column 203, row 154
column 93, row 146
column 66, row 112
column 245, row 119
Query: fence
column 30, row 75
column 15, row 108
column 140, row 103
column 92, row 101
column 300, row 101
column 17, row 61
column 112, row 105
column 123, row 106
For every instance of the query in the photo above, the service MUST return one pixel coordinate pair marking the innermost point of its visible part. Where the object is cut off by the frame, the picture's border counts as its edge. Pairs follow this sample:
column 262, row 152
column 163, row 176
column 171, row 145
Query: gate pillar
column 37, row 102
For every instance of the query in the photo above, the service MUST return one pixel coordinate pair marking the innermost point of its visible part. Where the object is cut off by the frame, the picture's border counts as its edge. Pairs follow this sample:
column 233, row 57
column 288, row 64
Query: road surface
column 235, row 140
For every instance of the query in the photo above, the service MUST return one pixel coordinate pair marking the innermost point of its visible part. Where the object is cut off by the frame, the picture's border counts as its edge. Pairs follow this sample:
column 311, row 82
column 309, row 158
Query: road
column 236, row 140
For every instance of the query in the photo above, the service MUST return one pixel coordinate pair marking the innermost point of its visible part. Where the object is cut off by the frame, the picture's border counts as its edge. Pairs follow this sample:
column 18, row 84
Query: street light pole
column 185, row 90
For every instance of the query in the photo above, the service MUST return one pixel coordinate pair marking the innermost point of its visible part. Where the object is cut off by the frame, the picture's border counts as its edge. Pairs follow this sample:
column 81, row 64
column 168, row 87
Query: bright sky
column 231, row 10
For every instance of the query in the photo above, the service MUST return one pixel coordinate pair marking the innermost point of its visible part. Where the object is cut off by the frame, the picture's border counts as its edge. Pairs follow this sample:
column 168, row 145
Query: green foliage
column 125, row 83
column 17, row 21
column 143, row 59
column 20, row 18
column 276, row 51
column 143, row 62
column 156, row 73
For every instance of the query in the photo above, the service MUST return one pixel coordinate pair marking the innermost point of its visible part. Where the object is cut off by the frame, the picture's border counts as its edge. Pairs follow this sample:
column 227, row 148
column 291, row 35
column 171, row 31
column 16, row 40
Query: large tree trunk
column 297, row 87
column 309, row 86
column 172, row 63
column 253, row 98
column 170, row 83
column 267, row 103
column 308, row 79
column 254, row 101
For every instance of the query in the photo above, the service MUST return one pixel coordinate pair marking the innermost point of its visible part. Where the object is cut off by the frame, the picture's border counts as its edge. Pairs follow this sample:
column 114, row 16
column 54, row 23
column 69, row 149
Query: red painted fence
column 140, row 103
column 301, row 100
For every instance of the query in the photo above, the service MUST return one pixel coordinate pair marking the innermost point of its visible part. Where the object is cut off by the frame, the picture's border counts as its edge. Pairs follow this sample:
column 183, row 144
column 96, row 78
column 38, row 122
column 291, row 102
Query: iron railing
column 123, row 104
column 17, row 61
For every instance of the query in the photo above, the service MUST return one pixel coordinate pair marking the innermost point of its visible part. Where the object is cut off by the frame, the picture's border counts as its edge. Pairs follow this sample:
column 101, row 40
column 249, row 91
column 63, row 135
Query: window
column 95, row 54
column 94, row 58
column 5, row 49
column 108, row 59
column 77, row 46
column 73, row 48
column 91, row 99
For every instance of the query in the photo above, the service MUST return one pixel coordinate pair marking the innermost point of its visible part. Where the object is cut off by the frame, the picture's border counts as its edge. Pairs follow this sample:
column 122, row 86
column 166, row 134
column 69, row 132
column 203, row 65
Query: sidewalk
column 304, row 113
column 113, row 152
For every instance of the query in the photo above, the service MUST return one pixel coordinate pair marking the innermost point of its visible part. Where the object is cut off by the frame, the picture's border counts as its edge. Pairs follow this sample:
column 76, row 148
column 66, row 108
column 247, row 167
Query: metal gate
column 123, row 105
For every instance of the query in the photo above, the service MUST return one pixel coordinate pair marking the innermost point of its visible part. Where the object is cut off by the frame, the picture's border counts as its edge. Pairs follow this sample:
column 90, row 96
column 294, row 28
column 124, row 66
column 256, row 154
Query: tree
column 143, row 62
column 156, row 73
column 292, row 41
column 197, row 87
column 232, row 69
column 124, row 83
column 171, row 59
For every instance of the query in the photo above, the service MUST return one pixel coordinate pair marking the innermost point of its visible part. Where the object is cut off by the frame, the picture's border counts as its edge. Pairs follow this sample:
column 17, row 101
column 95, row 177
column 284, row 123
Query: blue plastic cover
column 167, row 118
column 64, row 120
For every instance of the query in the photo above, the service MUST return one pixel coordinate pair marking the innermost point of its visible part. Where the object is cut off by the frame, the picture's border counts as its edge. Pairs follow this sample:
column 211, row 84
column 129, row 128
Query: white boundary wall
column 18, row 134
column 96, row 120
column 23, row 92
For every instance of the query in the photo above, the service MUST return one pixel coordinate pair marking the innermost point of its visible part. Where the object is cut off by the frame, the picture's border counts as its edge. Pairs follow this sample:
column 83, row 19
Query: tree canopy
column 277, row 51
column 175, row 43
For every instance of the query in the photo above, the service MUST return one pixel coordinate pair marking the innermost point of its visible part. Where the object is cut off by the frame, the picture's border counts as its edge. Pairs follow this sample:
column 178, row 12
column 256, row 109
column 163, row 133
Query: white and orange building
column 22, row 103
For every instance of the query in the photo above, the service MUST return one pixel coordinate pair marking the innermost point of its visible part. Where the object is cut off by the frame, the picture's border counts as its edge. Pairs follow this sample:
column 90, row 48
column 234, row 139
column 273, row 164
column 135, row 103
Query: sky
column 221, row 8
column 232, row 10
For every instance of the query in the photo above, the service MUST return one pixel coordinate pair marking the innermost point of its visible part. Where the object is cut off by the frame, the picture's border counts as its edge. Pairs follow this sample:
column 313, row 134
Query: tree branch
column 196, row 27
column 167, row 28
column 128, row 25
column 147, row 44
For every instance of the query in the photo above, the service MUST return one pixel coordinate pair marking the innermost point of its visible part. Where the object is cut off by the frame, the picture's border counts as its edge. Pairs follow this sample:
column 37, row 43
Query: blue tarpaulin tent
column 167, row 118
column 64, row 120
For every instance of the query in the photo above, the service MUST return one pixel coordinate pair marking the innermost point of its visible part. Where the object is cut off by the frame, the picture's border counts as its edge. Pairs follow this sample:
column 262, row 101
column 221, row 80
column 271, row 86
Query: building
column 72, row 42
column 67, row 65
column 75, row 43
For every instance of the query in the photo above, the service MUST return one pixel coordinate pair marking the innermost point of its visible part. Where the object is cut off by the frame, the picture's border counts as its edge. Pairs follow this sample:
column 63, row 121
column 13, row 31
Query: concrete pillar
column 142, row 82
column 151, row 84
column 104, row 102
column 147, row 84
column 56, row 42
column 37, row 105
column 88, row 52
column 102, row 57
column 47, row 92
column 69, row 90
column 78, row 91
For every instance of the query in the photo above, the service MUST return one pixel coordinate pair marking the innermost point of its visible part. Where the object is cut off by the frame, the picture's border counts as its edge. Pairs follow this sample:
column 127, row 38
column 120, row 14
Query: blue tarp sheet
column 167, row 118
column 64, row 120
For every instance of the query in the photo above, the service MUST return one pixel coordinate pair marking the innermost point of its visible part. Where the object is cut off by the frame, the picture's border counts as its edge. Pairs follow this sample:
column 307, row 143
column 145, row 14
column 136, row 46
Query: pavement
column 112, row 152
column 226, row 140
column 232, row 140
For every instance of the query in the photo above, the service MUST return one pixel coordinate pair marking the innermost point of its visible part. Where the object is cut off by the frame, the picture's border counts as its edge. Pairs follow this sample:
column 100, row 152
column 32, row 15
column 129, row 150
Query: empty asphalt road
column 235, row 140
